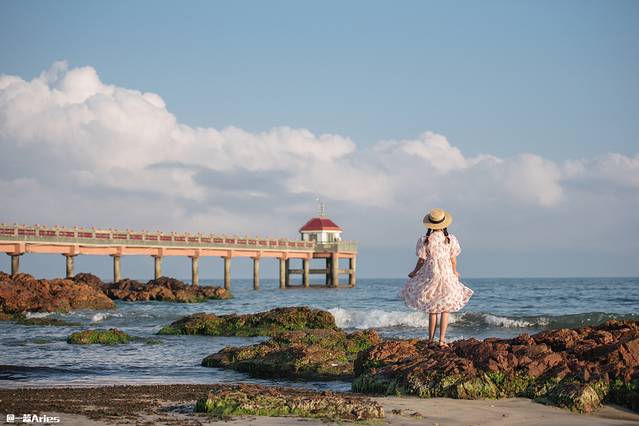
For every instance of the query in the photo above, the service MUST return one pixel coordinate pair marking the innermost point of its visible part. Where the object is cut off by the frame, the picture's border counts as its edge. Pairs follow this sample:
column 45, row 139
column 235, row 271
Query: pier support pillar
column 158, row 266
column 352, row 275
column 227, row 273
column 15, row 264
column 69, row 265
column 287, row 279
column 328, row 272
column 117, row 270
column 334, row 270
column 256, row 273
column 195, row 270
column 282, row 273
column 306, row 278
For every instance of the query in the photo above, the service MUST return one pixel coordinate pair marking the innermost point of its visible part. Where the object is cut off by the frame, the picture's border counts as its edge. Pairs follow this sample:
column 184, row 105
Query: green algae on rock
column 266, row 323
column 242, row 400
column 45, row 322
column 321, row 354
column 112, row 336
column 576, row 369
column 6, row 317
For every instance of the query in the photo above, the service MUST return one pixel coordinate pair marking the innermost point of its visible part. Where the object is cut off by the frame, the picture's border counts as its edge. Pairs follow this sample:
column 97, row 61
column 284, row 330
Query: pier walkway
column 16, row 240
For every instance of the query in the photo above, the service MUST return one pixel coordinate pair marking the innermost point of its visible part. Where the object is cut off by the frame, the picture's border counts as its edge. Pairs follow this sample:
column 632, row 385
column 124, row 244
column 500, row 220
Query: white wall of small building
column 321, row 236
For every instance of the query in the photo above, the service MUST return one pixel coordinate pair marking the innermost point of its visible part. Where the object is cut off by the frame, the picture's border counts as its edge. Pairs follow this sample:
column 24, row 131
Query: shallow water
column 40, row 356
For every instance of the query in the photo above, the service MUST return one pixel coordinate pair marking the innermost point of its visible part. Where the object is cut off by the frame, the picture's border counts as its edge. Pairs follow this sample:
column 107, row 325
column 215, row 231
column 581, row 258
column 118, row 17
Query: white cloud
column 112, row 136
column 435, row 150
column 68, row 139
column 533, row 179
column 613, row 168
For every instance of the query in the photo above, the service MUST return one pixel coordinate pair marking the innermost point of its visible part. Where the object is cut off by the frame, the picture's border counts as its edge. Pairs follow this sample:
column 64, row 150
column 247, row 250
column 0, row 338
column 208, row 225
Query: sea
column 34, row 356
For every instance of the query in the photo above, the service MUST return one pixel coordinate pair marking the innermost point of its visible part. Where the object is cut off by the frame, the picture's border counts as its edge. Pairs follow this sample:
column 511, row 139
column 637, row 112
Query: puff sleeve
column 455, row 248
column 420, row 250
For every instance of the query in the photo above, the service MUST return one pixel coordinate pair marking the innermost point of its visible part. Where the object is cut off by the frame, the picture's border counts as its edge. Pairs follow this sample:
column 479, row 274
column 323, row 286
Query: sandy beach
column 173, row 404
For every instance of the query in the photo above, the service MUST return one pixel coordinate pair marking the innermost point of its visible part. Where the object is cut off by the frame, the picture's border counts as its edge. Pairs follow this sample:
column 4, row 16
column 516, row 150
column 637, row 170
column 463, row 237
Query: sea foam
column 100, row 316
column 378, row 318
column 38, row 314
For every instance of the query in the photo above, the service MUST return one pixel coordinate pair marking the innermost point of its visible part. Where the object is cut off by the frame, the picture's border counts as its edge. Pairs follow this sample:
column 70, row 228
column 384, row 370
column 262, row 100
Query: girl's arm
column 454, row 262
column 418, row 266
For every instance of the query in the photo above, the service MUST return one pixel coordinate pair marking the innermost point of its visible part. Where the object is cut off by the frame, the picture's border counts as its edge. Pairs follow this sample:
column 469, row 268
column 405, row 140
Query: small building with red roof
column 322, row 230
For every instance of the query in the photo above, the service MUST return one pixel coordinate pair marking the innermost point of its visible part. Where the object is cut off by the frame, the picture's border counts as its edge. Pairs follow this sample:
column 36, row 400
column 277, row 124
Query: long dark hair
column 430, row 231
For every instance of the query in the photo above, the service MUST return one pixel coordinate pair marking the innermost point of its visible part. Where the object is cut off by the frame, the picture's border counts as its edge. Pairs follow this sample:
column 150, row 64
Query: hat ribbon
column 430, row 219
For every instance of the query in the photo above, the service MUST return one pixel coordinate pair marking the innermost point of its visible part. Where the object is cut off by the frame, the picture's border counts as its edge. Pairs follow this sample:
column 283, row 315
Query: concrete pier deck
column 17, row 240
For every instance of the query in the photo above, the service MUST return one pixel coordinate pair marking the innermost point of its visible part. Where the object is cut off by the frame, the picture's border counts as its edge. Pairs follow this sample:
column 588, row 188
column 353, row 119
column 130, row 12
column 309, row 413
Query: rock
column 573, row 368
column 90, row 279
column 625, row 393
column 23, row 293
column 266, row 323
column 163, row 289
column 6, row 317
column 242, row 400
column 46, row 322
column 579, row 397
column 321, row 354
column 112, row 336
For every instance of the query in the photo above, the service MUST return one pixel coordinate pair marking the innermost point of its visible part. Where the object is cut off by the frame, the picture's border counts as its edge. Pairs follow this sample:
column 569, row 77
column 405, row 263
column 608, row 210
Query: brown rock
column 574, row 368
column 164, row 289
column 90, row 279
column 26, row 294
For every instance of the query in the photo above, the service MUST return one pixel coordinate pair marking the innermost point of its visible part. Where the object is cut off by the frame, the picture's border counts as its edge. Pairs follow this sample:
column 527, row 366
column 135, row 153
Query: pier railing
column 94, row 236
column 144, row 238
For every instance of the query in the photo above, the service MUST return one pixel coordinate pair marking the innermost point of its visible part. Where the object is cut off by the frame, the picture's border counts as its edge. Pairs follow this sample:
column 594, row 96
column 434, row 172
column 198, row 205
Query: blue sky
column 559, row 80
column 497, row 77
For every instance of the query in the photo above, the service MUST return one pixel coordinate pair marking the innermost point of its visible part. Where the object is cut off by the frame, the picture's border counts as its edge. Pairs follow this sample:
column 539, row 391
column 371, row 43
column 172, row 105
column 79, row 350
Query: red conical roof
column 320, row 224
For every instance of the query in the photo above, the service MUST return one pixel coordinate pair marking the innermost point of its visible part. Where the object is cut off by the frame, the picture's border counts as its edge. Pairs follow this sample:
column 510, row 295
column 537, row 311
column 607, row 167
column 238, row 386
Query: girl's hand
column 411, row 275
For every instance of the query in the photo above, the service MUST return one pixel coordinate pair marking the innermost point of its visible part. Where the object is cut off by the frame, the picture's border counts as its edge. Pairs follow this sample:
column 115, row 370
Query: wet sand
column 173, row 404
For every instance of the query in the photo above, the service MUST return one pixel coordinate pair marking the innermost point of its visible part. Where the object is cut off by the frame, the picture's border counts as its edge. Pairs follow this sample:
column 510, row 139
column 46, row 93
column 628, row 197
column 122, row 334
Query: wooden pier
column 17, row 240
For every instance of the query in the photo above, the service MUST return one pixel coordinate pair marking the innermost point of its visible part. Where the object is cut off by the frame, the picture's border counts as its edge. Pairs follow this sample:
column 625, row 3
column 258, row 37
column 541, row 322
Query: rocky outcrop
column 573, row 368
column 89, row 279
column 242, row 400
column 112, row 336
column 266, row 323
column 45, row 322
column 163, row 289
column 322, row 354
column 23, row 293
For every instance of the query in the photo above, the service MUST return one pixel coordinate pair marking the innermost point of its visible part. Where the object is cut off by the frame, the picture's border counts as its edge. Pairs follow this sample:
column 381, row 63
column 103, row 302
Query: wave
column 98, row 317
column 378, row 318
column 38, row 314
column 101, row 316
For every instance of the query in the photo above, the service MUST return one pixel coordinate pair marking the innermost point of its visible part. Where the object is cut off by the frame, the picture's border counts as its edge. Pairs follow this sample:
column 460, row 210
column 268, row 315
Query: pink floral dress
column 435, row 288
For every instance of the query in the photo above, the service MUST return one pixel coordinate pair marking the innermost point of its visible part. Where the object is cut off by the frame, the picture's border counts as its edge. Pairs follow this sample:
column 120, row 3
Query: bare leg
column 443, row 325
column 432, row 326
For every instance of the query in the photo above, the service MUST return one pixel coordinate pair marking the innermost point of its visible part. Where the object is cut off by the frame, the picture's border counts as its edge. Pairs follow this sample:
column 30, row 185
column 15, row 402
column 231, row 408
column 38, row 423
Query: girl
column 434, row 285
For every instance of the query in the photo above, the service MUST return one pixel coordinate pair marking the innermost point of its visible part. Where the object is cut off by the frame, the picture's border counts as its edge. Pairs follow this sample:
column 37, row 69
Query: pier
column 320, row 239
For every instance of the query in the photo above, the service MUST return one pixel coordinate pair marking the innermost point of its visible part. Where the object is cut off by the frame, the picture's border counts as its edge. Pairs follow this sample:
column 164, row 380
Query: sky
column 519, row 118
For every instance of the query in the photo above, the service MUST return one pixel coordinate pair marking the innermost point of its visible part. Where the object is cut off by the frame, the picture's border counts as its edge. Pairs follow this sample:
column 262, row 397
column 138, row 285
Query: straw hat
column 437, row 219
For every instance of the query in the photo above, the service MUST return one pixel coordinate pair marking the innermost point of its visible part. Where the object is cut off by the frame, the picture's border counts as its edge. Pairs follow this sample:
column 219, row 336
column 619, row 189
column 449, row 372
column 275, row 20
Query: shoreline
column 173, row 404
